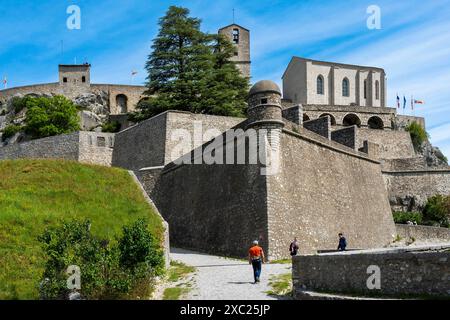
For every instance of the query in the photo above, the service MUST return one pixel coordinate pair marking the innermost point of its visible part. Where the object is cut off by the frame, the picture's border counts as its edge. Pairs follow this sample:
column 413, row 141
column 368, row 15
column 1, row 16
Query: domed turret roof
column 264, row 86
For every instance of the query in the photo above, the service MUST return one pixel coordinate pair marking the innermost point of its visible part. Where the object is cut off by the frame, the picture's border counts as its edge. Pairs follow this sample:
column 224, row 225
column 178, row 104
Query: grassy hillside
column 35, row 194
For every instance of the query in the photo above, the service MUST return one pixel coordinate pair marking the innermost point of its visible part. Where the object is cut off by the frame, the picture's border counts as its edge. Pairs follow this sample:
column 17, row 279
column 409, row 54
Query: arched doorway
column 122, row 103
column 375, row 123
column 333, row 119
column 305, row 117
column 351, row 119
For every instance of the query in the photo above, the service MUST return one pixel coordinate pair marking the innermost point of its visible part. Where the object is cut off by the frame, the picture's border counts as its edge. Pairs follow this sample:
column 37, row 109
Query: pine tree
column 190, row 70
column 225, row 91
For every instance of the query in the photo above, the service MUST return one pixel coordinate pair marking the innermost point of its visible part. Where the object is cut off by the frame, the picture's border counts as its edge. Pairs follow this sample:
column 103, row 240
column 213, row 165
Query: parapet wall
column 419, row 185
column 166, row 137
column 57, row 147
column 402, row 272
column 86, row 147
column 392, row 144
column 423, row 233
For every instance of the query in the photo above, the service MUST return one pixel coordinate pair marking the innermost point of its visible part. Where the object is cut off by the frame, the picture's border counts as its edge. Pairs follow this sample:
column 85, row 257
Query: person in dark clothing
column 293, row 248
column 342, row 242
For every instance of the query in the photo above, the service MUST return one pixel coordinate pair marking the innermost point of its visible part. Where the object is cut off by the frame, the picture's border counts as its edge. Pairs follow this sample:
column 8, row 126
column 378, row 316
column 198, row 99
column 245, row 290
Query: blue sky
column 413, row 44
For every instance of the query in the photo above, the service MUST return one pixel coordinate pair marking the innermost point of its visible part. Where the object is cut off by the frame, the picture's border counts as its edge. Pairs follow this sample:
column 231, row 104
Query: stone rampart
column 423, row 233
column 402, row 272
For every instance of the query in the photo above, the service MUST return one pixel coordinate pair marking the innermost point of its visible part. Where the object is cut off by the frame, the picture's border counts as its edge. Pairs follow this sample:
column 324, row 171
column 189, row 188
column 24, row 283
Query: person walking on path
column 293, row 248
column 342, row 242
column 256, row 259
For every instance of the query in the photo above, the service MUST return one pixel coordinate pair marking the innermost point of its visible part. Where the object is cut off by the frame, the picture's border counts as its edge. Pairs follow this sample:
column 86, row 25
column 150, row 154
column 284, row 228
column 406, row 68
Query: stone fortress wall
column 415, row 272
column 155, row 141
column 74, row 82
column 308, row 205
column 221, row 208
column 86, row 147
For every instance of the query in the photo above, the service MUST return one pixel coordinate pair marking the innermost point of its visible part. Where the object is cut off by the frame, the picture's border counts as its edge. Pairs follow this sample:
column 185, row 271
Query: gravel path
column 220, row 278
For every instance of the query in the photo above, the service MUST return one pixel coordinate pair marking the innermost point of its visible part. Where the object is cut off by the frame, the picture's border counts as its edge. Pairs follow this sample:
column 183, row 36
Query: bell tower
column 240, row 38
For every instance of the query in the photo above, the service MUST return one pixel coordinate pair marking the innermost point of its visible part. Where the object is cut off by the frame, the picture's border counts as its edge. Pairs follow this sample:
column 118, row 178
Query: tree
column 225, row 91
column 189, row 70
column 50, row 116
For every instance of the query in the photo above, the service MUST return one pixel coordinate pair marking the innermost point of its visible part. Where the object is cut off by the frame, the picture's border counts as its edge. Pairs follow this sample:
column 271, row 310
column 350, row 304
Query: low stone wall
column 346, row 136
column 321, row 126
column 96, row 148
column 416, row 185
column 86, row 147
column 402, row 272
column 393, row 144
column 293, row 114
column 57, row 147
column 166, row 238
column 423, row 233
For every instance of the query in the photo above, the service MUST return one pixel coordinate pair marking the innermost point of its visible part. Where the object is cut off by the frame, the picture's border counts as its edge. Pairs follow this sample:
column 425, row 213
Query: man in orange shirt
column 256, row 259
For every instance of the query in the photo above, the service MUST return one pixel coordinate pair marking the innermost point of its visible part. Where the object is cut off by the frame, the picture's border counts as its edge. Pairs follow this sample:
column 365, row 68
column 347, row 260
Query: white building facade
column 311, row 82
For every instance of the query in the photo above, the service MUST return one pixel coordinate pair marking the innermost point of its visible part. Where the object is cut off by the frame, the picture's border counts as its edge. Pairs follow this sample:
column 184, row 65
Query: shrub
column 112, row 127
column 3, row 112
column 50, row 116
column 437, row 211
column 403, row 217
column 104, row 272
column 10, row 131
column 18, row 104
column 418, row 134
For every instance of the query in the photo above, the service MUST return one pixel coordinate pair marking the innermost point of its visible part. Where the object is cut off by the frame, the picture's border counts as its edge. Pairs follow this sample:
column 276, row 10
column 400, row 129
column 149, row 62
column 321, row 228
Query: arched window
column 365, row 89
column 121, row 103
column 345, row 88
column 375, row 123
column 351, row 120
column 333, row 119
column 377, row 90
column 320, row 84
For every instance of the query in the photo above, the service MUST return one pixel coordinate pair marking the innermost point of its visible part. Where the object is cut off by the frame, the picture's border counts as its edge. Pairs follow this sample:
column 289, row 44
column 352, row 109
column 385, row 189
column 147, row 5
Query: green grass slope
column 35, row 194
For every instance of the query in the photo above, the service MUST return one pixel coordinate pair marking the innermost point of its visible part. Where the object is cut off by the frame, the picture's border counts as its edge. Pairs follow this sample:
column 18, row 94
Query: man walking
column 293, row 248
column 342, row 242
column 256, row 259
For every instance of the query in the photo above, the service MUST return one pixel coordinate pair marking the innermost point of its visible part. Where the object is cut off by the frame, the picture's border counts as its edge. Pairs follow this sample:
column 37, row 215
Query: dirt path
column 220, row 278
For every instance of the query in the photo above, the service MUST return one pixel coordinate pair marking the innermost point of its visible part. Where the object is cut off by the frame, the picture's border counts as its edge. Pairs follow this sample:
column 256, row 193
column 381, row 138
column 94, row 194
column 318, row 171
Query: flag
column 419, row 102
column 398, row 101
column 404, row 102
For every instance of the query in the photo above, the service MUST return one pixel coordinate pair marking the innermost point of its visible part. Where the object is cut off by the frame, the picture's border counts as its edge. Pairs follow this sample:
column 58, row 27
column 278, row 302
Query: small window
column 236, row 53
column 365, row 89
column 377, row 88
column 319, row 84
column 345, row 88
column 236, row 36
column 65, row 80
column 264, row 101
column 101, row 142
column 83, row 79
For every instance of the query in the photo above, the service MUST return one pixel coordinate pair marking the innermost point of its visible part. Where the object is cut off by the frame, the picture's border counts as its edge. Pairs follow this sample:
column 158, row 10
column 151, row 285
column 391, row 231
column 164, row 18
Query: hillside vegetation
column 36, row 194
